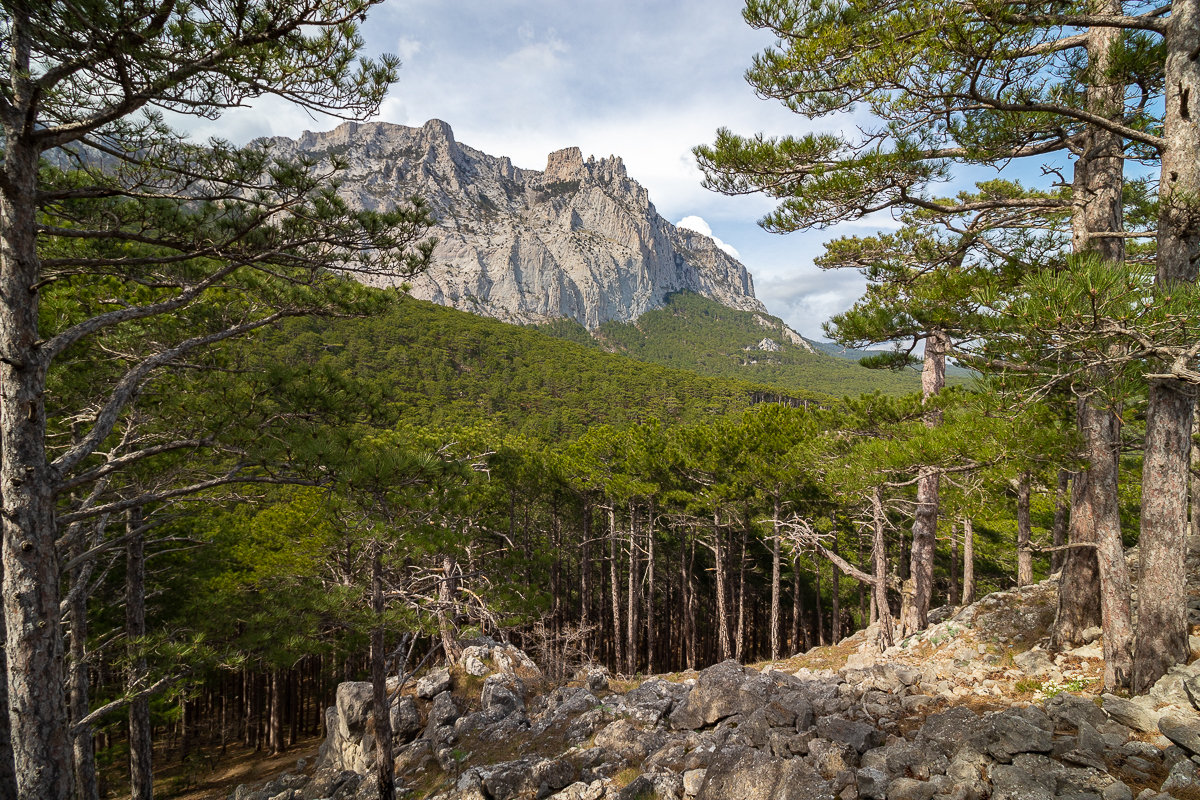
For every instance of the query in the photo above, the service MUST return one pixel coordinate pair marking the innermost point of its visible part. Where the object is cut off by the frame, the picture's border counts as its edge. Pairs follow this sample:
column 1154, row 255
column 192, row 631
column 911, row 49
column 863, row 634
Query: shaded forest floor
column 208, row 775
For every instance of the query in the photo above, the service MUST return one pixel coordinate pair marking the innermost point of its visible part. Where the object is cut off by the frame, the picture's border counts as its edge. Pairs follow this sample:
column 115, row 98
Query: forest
column 232, row 475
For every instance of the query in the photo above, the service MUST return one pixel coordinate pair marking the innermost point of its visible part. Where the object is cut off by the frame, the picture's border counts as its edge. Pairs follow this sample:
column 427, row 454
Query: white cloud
column 697, row 224
column 407, row 49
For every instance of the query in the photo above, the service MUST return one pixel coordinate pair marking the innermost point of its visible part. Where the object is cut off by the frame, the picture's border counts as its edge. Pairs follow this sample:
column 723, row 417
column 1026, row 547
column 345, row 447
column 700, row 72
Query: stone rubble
column 972, row 708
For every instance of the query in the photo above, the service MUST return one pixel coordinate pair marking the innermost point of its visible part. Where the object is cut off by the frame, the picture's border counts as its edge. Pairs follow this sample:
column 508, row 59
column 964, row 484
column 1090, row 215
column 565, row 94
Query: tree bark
column 1162, row 598
column 955, row 598
column 37, row 707
column 618, row 661
column 631, row 605
column 835, row 617
column 1079, row 586
column 447, row 602
column 1060, row 520
column 968, row 587
column 924, row 531
column 141, row 745
column 740, row 639
column 775, row 583
column 86, row 786
column 1102, row 437
column 1024, row 533
column 585, row 583
column 723, row 642
column 797, row 643
column 275, row 715
column 651, row 628
column 384, row 760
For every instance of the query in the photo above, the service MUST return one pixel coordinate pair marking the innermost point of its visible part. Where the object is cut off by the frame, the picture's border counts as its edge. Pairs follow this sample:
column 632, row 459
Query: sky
column 643, row 79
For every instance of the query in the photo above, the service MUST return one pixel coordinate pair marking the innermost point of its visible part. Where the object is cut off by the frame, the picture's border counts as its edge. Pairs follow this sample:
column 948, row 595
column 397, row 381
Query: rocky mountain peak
column 580, row 239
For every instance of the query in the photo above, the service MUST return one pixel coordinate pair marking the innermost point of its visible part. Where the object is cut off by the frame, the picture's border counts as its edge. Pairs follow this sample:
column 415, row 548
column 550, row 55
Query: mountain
column 579, row 240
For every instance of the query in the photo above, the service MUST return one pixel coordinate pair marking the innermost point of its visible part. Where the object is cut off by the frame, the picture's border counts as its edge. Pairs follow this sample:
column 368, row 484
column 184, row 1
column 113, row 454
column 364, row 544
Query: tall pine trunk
column 775, row 583
column 86, row 786
column 41, row 746
column 968, row 587
column 384, row 761
column 924, row 530
column 1061, row 495
column 1024, row 533
column 1162, row 598
column 883, row 613
column 141, row 745
column 615, row 583
column 723, row 642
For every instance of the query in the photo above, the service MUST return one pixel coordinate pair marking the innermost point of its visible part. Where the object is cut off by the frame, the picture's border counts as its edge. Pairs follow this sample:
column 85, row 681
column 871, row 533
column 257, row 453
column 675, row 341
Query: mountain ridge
column 579, row 239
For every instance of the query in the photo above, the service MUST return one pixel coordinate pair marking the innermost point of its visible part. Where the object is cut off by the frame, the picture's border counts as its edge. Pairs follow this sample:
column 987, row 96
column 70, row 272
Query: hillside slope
column 696, row 333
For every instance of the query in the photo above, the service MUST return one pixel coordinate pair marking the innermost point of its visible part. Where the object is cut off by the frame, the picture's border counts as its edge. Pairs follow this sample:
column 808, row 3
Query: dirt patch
column 207, row 775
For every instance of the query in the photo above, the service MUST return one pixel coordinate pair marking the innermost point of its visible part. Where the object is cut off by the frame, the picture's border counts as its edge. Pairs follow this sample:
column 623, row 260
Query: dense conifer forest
column 232, row 475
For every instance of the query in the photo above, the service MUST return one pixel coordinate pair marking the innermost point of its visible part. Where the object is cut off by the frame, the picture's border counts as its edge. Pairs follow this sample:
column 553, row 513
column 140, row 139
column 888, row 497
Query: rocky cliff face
column 580, row 239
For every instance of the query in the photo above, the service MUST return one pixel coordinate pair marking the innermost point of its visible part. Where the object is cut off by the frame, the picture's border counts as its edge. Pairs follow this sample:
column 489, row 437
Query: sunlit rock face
column 580, row 239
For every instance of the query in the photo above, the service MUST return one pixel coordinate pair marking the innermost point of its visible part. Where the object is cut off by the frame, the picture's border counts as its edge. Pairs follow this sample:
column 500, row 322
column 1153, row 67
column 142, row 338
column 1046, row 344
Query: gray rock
column 503, row 694
column 748, row 774
column 1136, row 714
column 581, row 791
column 721, row 691
column 909, row 789
column 625, row 741
column 830, row 758
column 1183, row 731
column 443, row 711
column 1005, row 734
column 1010, row 782
column 581, row 218
column 1071, row 709
column 405, row 720
column 1116, row 791
column 693, row 779
column 597, row 680
column 474, row 666
column 872, row 783
column 433, row 684
column 653, row 786
column 654, row 700
column 1183, row 781
column 951, row 730
column 859, row 735
column 353, row 705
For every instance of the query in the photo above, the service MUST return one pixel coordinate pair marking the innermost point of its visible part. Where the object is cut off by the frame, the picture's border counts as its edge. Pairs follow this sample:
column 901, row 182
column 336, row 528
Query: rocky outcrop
column 580, row 239
column 970, row 709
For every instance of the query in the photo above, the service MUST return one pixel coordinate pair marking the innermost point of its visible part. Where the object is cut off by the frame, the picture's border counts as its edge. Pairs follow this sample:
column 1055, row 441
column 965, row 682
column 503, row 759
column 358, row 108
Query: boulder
column 1183, row 781
column 859, row 735
column 503, row 694
column 433, row 684
column 1182, row 730
column 721, row 691
column 654, row 700
column 405, row 720
column 1014, row 783
column 353, row 705
column 748, row 774
column 1138, row 713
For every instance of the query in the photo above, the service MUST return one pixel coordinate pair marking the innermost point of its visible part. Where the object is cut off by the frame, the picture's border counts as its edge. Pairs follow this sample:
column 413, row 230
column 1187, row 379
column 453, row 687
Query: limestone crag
column 580, row 239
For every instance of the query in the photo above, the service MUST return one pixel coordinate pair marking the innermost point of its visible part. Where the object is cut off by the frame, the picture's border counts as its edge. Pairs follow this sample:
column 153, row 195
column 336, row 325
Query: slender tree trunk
column 1162, row 598
column 1100, row 431
column 955, row 598
column 86, row 787
column 1024, row 533
column 631, row 622
column 1079, row 586
column 692, row 603
column 447, row 602
column 740, row 640
column 275, row 716
column 618, row 661
column 924, row 531
column 820, row 627
column 141, row 745
column 651, row 628
column 797, row 643
column 585, row 583
column 384, row 760
column 1060, row 520
column 968, row 590
column 883, row 612
column 775, row 583
column 722, row 611
column 835, row 621
column 863, row 613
